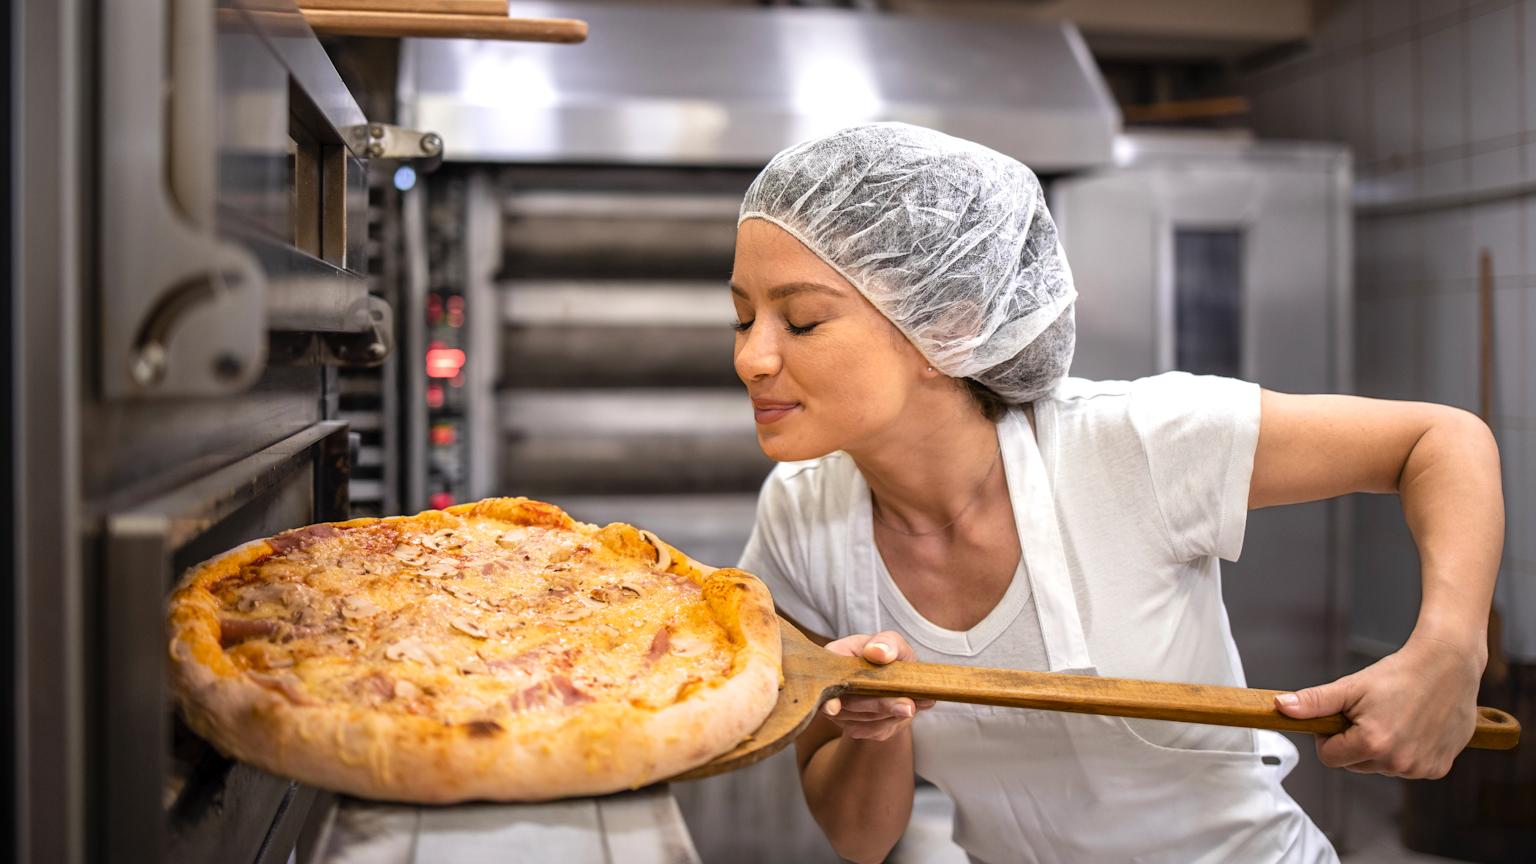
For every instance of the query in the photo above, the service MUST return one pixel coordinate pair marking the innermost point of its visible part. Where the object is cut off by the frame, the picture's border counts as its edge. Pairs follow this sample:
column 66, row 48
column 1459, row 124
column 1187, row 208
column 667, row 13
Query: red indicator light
column 444, row 362
column 434, row 396
column 443, row 435
column 441, row 500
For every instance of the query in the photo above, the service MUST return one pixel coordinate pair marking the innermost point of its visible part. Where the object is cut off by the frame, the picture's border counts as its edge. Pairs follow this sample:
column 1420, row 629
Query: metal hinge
column 387, row 141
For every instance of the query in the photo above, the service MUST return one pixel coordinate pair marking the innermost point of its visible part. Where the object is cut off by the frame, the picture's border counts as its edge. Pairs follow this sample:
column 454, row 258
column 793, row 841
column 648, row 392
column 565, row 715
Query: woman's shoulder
column 1095, row 413
column 1173, row 391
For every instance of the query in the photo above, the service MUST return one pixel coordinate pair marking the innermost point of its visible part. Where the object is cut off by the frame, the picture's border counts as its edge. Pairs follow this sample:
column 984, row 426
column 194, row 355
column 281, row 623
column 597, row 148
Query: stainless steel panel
column 617, row 333
column 618, row 357
column 640, row 827
column 630, row 441
column 52, row 682
column 595, row 234
column 734, row 86
column 482, row 257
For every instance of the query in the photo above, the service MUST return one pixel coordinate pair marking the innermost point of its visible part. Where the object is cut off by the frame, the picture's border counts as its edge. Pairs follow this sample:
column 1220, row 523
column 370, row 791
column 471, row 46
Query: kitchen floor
column 1375, row 803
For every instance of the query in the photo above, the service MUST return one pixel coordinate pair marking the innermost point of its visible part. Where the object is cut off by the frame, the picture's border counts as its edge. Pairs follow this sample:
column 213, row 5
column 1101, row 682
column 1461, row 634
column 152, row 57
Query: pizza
column 497, row 650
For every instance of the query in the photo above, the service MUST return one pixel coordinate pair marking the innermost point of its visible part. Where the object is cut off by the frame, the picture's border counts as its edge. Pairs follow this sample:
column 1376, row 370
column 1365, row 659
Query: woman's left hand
column 1411, row 713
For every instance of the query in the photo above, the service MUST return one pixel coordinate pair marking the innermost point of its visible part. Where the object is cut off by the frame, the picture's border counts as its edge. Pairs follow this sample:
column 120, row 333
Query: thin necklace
column 975, row 496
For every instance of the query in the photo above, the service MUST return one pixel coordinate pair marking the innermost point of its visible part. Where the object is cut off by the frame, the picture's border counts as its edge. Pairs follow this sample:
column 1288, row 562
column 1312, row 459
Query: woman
column 946, row 494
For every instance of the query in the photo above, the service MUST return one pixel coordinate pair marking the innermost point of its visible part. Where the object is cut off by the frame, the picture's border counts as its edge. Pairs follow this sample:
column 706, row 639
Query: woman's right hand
column 873, row 718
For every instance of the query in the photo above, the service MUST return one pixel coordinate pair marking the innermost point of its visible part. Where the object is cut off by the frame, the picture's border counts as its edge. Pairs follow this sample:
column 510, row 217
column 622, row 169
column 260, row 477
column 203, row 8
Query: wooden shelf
column 435, row 7
column 399, row 25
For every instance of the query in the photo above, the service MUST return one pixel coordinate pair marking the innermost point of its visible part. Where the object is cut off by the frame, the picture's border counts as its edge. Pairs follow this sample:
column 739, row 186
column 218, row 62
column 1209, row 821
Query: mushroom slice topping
column 409, row 648
column 663, row 557
column 468, row 627
column 358, row 606
column 410, row 553
column 439, row 569
column 448, row 538
column 571, row 614
column 462, row 593
column 510, row 539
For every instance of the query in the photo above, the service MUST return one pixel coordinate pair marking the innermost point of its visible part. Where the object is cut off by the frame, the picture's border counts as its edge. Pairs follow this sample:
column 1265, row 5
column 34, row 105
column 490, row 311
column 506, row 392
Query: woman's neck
column 930, row 467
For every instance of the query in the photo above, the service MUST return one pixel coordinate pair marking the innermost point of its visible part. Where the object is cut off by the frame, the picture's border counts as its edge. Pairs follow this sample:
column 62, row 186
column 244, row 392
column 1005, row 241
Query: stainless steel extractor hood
column 734, row 86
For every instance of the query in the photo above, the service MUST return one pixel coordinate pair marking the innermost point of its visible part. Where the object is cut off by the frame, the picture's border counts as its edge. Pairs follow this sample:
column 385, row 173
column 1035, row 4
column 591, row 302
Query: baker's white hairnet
column 950, row 240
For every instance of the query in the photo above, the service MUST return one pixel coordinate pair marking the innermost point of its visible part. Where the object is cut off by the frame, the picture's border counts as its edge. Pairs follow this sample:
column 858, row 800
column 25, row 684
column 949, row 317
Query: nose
column 757, row 354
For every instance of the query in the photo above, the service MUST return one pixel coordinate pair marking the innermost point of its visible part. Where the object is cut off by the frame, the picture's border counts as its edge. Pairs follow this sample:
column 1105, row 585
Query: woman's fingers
column 849, row 646
column 877, row 706
column 874, row 730
column 873, row 718
column 887, row 646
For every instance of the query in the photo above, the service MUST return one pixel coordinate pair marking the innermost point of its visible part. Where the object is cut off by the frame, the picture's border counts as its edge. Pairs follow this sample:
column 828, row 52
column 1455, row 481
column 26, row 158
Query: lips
column 766, row 411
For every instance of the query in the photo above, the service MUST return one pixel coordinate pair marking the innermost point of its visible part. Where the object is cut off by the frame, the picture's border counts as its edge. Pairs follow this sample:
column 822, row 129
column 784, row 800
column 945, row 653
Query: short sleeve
column 1199, row 433
column 774, row 554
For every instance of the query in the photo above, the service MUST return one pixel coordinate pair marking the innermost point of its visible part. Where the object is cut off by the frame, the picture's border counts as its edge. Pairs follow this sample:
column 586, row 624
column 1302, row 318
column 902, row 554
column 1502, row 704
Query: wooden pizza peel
column 812, row 675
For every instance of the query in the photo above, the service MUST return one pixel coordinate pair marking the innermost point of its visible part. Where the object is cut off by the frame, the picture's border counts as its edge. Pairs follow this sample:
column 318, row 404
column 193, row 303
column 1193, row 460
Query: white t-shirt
column 1150, row 479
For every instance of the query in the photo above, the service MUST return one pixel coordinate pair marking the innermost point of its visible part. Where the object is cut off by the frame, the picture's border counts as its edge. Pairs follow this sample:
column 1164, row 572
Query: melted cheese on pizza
column 470, row 624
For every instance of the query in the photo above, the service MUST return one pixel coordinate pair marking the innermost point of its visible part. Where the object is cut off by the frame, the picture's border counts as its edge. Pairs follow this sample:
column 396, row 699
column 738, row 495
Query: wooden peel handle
column 1120, row 697
column 399, row 25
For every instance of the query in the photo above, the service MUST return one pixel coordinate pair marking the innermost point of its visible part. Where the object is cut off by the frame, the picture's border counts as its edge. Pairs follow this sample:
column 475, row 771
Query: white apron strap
column 1045, row 559
column 863, row 587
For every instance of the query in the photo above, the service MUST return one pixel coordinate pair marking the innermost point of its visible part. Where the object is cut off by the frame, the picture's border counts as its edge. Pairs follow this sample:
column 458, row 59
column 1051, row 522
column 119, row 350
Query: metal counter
column 641, row 827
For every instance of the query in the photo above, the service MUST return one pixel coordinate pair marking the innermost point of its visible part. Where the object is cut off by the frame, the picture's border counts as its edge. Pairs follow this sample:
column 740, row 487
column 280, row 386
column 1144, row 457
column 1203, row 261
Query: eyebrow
column 788, row 289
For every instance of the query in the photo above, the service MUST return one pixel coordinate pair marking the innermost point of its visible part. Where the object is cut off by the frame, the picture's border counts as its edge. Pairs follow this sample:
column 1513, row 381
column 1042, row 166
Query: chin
column 783, row 446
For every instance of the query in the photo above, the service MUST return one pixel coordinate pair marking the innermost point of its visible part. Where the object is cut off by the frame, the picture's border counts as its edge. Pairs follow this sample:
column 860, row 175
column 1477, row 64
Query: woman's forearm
column 860, row 792
column 1453, row 501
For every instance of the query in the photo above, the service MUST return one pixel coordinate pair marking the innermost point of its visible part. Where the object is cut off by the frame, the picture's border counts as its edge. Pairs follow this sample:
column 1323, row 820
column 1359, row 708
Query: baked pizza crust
column 606, row 746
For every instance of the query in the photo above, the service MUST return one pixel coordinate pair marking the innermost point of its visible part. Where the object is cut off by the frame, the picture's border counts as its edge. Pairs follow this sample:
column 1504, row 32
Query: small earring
column 930, row 368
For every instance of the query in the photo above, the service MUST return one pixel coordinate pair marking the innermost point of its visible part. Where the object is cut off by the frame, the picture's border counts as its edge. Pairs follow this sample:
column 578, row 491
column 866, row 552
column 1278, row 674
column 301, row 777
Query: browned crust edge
column 607, row 747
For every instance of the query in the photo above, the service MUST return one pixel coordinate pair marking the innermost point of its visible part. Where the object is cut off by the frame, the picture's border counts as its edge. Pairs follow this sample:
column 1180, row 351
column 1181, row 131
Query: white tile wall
column 1497, row 169
column 1498, row 227
column 1517, row 457
column 1528, row 369
column 1391, row 83
column 1352, row 118
column 1442, row 89
column 1526, row 11
column 1517, row 591
column 1493, row 48
column 1400, row 251
column 1446, row 246
column 1449, row 353
column 1528, row 208
column 1388, row 346
column 1345, row 28
column 1431, row 11
column 1471, row 97
column 1509, row 370
column 1388, row 17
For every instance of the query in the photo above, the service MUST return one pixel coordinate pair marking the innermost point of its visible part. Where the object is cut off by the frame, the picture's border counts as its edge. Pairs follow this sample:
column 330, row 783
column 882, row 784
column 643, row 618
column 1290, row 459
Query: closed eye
column 741, row 326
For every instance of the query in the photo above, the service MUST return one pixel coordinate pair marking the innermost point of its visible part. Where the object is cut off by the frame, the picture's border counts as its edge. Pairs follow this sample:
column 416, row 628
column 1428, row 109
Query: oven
column 201, row 328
